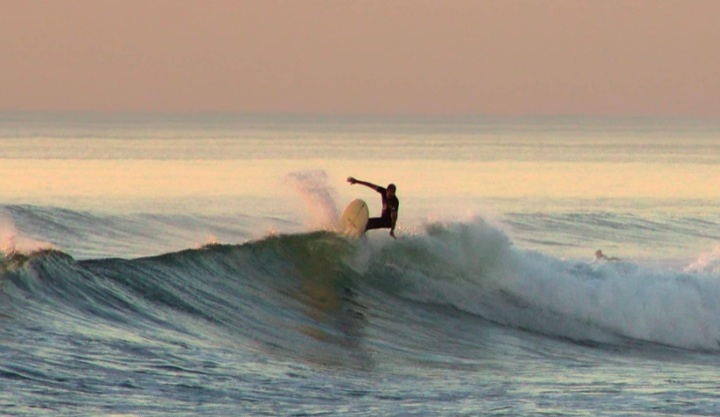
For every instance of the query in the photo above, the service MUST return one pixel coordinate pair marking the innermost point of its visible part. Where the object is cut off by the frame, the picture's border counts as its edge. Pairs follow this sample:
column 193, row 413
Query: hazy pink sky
column 633, row 57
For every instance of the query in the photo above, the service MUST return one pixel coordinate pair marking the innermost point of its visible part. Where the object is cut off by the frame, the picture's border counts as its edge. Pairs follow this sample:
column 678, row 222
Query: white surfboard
column 354, row 219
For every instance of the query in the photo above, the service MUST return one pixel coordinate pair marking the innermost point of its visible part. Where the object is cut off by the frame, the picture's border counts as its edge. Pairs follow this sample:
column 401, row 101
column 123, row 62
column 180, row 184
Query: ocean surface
column 188, row 265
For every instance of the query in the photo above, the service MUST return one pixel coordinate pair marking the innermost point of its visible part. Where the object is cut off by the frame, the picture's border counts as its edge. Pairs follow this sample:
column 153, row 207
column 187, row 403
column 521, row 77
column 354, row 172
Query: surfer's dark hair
column 391, row 187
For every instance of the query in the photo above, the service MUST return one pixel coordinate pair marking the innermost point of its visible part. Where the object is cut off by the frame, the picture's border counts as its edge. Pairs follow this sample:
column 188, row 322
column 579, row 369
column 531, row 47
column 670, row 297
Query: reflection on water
column 334, row 317
column 91, row 161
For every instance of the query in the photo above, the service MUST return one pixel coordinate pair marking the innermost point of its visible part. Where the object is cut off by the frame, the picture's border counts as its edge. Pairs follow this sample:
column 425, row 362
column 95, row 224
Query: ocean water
column 188, row 265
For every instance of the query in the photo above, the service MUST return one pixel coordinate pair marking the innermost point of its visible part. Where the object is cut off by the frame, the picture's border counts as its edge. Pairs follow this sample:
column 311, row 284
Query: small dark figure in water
column 601, row 256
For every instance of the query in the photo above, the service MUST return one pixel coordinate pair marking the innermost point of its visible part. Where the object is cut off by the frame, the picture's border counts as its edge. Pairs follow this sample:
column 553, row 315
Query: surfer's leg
column 378, row 223
column 373, row 223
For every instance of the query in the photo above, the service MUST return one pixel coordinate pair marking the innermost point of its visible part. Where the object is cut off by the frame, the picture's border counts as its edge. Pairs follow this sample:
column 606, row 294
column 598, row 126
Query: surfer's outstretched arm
column 353, row 180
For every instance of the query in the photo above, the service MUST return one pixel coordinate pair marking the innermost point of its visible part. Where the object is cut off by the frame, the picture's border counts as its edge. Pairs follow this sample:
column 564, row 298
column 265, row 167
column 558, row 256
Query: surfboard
column 354, row 219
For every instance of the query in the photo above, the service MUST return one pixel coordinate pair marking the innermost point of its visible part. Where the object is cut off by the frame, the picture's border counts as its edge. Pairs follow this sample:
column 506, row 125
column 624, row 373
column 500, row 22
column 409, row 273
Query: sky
column 419, row 57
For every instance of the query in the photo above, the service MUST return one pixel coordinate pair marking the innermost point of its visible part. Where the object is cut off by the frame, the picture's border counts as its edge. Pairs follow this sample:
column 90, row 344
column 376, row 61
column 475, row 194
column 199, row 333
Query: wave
column 321, row 296
column 91, row 235
column 649, row 236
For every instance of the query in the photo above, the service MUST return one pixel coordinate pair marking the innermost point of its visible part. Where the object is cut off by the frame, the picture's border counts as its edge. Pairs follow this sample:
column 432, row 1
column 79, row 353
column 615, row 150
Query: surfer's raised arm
column 353, row 180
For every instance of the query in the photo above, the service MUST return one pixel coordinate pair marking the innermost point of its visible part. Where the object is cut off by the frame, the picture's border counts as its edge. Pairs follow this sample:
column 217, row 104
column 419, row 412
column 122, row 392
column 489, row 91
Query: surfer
column 600, row 256
column 390, row 204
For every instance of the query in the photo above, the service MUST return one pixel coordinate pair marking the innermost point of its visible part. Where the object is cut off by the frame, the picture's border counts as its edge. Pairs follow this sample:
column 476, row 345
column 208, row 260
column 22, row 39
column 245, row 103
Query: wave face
column 312, row 321
column 316, row 292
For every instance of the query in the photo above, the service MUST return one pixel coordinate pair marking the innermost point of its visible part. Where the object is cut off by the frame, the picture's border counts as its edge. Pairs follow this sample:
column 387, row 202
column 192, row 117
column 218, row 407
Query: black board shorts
column 379, row 223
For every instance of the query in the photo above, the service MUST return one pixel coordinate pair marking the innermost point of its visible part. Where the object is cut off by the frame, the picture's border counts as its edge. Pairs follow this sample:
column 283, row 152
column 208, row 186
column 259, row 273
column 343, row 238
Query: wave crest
column 307, row 278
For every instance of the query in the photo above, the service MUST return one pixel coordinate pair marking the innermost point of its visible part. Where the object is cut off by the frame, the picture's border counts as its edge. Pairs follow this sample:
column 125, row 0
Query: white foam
column 707, row 262
column 473, row 266
column 629, row 300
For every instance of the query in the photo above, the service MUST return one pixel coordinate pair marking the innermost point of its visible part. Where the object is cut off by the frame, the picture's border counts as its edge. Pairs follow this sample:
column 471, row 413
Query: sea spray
column 706, row 262
column 11, row 241
column 318, row 196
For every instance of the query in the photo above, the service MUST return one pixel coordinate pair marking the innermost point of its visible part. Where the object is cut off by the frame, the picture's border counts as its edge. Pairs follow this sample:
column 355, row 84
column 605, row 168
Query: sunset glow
column 426, row 57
